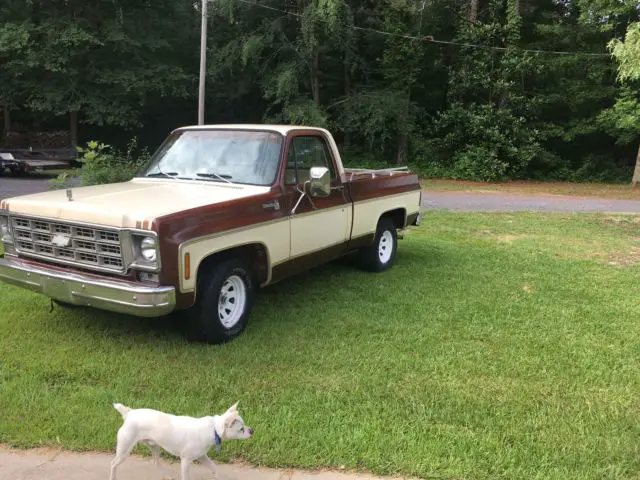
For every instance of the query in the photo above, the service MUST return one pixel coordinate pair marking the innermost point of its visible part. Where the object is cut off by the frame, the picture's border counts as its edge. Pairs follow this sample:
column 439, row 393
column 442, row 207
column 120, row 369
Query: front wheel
column 382, row 254
column 224, row 299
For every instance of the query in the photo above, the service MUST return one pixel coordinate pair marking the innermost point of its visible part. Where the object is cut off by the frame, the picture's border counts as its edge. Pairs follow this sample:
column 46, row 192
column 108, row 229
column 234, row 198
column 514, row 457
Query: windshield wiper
column 224, row 178
column 162, row 174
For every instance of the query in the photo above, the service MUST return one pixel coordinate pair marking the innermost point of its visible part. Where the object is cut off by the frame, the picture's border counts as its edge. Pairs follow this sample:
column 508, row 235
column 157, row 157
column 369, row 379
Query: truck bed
column 369, row 184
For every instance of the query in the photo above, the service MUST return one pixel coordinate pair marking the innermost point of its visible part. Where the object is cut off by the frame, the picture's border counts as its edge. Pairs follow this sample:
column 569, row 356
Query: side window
column 304, row 153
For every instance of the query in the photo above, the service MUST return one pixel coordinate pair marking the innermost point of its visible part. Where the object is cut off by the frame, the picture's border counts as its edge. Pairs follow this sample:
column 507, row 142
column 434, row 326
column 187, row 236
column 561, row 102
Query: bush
column 478, row 142
column 102, row 164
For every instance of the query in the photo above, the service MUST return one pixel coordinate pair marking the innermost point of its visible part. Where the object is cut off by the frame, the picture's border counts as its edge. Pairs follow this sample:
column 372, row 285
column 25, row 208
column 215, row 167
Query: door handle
column 275, row 204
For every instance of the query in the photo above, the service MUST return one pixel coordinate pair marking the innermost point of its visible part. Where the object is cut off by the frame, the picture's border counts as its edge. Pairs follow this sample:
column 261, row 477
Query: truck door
column 320, row 226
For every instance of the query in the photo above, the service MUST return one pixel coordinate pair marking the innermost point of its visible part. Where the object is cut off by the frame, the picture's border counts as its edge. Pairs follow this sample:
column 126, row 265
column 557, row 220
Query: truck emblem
column 69, row 195
column 61, row 240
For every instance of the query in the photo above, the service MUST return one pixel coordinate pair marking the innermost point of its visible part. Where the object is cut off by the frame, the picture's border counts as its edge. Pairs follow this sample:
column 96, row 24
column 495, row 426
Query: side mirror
column 319, row 182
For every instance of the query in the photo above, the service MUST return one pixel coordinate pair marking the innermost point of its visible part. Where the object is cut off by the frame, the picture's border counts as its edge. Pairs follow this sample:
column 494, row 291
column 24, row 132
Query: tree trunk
column 7, row 121
column 473, row 11
column 403, row 149
column 315, row 81
column 450, row 54
column 347, row 89
column 73, row 128
column 636, row 172
column 518, row 7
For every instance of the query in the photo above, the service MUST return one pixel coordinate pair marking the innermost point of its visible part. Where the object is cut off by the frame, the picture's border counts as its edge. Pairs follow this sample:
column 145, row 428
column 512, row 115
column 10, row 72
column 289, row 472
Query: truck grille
column 95, row 248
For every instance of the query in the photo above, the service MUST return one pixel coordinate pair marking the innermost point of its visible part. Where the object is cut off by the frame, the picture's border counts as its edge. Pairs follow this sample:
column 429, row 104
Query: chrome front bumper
column 77, row 289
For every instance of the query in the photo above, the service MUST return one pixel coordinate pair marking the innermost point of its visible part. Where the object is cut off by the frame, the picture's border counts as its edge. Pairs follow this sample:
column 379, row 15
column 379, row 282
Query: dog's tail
column 124, row 410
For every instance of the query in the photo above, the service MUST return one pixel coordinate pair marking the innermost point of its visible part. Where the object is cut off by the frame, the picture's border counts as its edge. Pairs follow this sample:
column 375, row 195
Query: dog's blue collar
column 217, row 440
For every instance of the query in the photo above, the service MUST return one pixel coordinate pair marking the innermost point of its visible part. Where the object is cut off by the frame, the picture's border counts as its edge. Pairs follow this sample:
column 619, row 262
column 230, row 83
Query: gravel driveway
column 505, row 202
column 463, row 201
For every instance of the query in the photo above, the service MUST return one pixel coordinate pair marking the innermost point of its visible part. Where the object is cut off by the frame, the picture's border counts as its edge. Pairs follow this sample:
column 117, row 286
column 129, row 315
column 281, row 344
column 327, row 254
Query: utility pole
column 203, row 62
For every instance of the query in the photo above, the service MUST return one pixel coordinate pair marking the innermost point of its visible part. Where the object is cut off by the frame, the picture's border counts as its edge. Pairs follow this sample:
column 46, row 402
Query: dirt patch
column 510, row 238
column 624, row 259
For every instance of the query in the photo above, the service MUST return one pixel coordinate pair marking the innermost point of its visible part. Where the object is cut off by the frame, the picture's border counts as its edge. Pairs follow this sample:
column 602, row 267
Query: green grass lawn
column 500, row 346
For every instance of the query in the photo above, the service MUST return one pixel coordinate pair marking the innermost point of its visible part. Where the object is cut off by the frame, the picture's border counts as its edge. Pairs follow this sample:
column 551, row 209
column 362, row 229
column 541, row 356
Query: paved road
column 464, row 201
column 13, row 186
column 53, row 465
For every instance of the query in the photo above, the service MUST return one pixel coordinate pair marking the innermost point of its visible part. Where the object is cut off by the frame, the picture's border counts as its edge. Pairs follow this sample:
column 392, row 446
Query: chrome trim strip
column 77, row 289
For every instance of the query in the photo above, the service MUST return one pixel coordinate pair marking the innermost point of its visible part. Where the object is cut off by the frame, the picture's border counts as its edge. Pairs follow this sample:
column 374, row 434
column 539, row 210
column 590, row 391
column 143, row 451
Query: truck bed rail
column 373, row 172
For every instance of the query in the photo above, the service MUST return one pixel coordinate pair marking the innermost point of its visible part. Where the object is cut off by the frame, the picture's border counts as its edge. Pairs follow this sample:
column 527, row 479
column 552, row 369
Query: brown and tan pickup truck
column 219, row 211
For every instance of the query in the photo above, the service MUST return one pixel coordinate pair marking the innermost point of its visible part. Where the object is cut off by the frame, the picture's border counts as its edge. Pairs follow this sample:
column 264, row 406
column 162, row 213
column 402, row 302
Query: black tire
column 370, row 257
column 203, row 320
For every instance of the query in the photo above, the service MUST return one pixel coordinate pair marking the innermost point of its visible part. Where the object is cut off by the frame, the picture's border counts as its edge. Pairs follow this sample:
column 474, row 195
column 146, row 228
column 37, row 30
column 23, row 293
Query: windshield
column 235, row 156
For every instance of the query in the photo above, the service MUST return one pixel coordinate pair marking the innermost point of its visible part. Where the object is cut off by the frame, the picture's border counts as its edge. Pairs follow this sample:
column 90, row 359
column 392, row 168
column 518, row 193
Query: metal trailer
column 22, row 161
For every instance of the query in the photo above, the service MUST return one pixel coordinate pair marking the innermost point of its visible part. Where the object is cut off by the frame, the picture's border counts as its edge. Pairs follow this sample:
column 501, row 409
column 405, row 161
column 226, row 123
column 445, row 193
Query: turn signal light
column 187, row 266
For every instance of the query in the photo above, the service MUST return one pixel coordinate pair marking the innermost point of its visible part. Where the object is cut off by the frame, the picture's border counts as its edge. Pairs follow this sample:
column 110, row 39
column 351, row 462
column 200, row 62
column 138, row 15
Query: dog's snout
column 251, row 431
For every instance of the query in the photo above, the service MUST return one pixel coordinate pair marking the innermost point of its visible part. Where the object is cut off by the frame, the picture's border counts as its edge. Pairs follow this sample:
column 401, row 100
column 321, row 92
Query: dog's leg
column 206, row 461
column 126, row 442
column 184, row 468
column 155, row 452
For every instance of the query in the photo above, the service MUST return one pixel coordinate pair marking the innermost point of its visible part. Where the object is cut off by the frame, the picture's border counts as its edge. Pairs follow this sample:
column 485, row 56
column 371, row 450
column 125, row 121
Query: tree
column 100, row 62
column 625, row 115
column 284, row 47
column 14, row 44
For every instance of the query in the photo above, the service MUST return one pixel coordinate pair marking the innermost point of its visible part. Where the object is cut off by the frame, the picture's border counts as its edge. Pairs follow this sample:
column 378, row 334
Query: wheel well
column 397, row 216
column 255, row 252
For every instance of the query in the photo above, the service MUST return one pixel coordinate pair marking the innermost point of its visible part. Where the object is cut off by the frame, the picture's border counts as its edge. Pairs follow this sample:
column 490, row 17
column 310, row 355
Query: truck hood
column 129, row 204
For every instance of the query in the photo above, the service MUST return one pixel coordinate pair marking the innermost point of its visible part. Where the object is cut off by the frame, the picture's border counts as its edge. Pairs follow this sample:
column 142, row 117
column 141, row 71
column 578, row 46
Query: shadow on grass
column 333, row 283
column 115, row 325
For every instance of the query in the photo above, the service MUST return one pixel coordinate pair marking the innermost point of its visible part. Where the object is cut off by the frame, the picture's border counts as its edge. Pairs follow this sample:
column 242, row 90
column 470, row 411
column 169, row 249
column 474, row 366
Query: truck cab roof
column 282, row 129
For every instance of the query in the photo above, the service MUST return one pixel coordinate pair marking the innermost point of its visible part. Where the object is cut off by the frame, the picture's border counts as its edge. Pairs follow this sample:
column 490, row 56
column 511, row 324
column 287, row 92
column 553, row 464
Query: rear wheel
column 224, row 299
column 382, row 254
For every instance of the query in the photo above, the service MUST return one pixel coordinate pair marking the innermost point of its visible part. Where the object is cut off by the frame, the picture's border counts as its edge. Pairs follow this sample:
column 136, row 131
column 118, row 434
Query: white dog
column 186, row 437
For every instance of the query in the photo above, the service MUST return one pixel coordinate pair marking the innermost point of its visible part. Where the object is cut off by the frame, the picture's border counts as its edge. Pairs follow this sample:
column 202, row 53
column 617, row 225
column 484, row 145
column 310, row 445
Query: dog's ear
column 229, row 418
column 233, row 408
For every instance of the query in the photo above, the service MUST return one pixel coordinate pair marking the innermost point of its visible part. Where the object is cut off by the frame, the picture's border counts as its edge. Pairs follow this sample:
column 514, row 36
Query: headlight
column 5, row 230
column 146, row 256
column 148, row 249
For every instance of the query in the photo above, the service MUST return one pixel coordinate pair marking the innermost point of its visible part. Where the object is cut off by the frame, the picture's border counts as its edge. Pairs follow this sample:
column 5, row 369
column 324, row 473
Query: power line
column 430, row 39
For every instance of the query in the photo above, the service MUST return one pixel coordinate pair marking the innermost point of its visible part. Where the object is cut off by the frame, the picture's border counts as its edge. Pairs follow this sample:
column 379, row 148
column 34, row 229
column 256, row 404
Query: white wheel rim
column 233, row 297
column 385, row 246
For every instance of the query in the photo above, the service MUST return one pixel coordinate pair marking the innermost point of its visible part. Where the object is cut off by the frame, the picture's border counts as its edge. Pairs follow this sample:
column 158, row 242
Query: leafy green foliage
column 103, row 60
column 103, row 164
column 627, row 54
column 481, row 142
column 369, row 71
column 623, row 119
